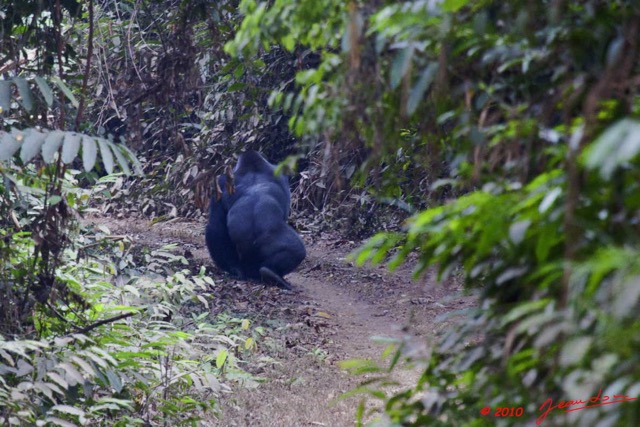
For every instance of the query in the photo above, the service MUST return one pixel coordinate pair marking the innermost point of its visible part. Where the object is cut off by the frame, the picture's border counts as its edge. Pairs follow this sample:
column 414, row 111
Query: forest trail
column 330, row 316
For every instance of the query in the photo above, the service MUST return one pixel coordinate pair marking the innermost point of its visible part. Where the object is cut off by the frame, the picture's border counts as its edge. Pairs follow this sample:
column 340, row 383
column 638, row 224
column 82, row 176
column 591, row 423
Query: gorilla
column 247, row 233
column 217, row 233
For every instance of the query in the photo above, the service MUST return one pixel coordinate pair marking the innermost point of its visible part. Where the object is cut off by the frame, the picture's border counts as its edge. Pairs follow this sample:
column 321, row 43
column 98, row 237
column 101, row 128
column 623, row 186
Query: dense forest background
column 494, row 141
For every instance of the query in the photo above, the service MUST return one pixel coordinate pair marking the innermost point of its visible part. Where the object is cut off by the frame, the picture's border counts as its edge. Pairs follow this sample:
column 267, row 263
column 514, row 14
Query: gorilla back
column 253, row 170
column 247, row 234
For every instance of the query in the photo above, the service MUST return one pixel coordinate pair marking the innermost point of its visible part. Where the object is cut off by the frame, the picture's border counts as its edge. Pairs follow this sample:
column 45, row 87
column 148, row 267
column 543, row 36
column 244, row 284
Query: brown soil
column 331, row 316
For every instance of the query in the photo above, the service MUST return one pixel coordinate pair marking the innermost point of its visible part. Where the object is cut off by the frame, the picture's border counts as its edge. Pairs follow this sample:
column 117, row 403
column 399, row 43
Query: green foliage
column 472, row 232
column 161, row 363
column 346, row 100
column 26, row 98
column 284, row 22
column 30, row 142
column 38, row 375
column 89, row 335
column 37, row 198
column 92, row 333
column 616, row 147
column 39, row 192
column 531, row 108
column 510, row 242
column 32, row 23
column 158, row 76
column 313, row 25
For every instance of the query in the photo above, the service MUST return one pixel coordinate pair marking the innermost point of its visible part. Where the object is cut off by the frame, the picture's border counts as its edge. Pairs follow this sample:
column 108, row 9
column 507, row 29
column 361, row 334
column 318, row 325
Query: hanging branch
column 85, row 78
column 103, row 322
column 57, row 21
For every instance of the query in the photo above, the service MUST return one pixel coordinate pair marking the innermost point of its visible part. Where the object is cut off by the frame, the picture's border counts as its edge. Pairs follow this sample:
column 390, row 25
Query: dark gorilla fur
column 247, row 234
column 217, row 234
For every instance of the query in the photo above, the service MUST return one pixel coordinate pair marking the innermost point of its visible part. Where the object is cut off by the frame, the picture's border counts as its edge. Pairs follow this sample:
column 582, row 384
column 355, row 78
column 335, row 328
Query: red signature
column 594, row 401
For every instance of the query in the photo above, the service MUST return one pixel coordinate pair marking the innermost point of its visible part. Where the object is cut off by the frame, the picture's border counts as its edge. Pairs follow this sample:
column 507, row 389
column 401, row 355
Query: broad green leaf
column 548, row 236
column 89, row 152
column 549, row 334
column 549, row 199
column 124, row 164
column 70, row 147
column 524, row 309
column 203, row 300
column 626, row 298
column 65, row 89
column 114, row 380
column 8, row 145
column 615, row 147
column 471, row 357
column 239, row 71
column 221, row 358
column 32, row 143
column 58, row 379
column 417, row 93
column 249, row 343
column 60, row 422
column 54, row 387
column 137, row 167
column 24, row 368
column 575, row 350
column 98, row 360
column 51, row 145
column 400, row 65
column 68, row 410
column 289, row 42
column 25, row 93
column 518, row 230
column 7, row 357
column 86, row 367
column 107, row 155
column 360, row 366
column 71, row 374
column 43, row 388
column 45, row 89
column 510, row 273
column 237, row 86
column 5, row 96
column 453, row 5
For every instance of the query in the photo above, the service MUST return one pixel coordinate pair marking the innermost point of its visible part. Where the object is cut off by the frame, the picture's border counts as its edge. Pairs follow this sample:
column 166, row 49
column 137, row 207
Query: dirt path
column 331, row 316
